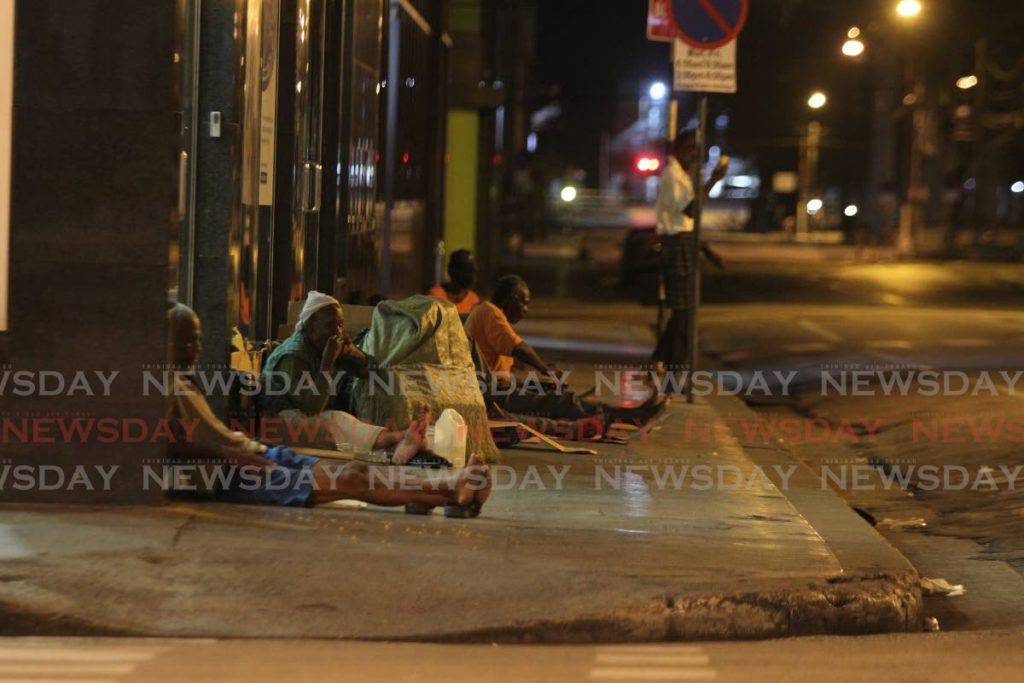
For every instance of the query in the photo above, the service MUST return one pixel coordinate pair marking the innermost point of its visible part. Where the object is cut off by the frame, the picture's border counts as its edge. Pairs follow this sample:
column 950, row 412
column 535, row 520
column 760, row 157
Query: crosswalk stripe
column 652, row 659
column 65, row 669
column 639, row 674
column 73, row 654
column 650, row 649
column 53, row 680
column 652, row 663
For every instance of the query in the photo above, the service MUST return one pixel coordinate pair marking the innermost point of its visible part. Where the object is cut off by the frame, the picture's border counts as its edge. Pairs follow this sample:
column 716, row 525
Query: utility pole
column 698, row 215
column 981, row 163
column 916, row 192
column 810, row 152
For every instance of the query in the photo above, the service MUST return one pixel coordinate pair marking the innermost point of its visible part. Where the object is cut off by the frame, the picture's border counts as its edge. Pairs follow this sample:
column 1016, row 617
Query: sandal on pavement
column 419, row 509
column 468, row 511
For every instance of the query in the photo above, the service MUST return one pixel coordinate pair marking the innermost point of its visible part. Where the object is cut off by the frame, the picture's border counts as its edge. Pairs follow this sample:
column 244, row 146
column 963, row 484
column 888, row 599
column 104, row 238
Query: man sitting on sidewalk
column 300, row 376
column 498, row 346
column 261, row 475
column 459, row 288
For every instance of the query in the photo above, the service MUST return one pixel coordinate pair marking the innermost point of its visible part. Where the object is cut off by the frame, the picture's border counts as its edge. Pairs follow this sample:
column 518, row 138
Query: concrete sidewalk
column 633, row 544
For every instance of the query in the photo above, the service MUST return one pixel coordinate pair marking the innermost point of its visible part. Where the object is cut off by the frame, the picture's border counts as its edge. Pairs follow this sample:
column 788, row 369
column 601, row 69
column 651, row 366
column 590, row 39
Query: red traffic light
column 648, row 164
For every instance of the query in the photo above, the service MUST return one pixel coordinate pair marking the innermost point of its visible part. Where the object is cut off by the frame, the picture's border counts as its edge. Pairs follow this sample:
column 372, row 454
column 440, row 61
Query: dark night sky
column 596, row 51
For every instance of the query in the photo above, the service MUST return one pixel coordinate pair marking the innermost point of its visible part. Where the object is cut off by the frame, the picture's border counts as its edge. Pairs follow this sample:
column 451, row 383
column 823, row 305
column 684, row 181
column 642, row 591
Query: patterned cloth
column 423, row 358
column 677, row 257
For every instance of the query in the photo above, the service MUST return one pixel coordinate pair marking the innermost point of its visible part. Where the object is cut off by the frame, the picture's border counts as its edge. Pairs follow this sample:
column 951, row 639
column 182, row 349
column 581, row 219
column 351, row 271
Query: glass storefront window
column 181, row 272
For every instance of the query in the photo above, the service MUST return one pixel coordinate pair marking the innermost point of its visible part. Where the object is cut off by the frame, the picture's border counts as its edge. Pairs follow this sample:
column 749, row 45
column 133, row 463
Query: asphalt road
column 786, row 274
column 946, row 318
column 813, row 316
column 953, row 284
column 935, row 658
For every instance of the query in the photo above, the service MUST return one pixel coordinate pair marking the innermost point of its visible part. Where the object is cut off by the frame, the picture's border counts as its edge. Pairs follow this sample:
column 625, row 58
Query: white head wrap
column 314, row 302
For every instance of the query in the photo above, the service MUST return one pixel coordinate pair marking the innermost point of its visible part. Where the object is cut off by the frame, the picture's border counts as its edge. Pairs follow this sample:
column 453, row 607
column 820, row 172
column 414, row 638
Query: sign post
column 704, row 60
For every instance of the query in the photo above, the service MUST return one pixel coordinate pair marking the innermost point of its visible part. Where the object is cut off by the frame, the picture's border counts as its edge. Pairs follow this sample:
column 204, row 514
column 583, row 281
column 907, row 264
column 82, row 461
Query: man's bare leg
column 414, row 440
column 390, row 487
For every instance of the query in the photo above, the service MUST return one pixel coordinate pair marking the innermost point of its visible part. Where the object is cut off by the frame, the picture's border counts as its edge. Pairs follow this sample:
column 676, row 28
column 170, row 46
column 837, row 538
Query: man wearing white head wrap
column 300, row 379
column 315, row 301
column 318, row 348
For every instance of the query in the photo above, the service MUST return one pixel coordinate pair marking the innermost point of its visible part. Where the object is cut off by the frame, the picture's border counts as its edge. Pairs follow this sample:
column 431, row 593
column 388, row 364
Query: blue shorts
column 291, row 483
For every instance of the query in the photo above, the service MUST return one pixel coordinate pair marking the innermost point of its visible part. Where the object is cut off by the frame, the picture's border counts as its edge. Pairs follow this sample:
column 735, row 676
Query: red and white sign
column 709, row 24
column 660, row 25
column 701, row 24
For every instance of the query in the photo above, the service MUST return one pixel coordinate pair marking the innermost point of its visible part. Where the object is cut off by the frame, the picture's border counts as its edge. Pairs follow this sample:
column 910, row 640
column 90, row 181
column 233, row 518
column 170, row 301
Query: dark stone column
column 93, row 192
column 216, row 185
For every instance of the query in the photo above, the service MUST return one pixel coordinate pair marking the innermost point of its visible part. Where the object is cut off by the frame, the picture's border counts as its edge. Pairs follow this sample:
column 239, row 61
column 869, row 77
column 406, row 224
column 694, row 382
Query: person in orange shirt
column 459, row 289
column 489, row 327
column 499, row 346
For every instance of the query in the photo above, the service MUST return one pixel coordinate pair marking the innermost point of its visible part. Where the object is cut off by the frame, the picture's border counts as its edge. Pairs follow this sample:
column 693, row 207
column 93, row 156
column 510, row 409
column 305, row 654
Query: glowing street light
column 1017, row 187
column 909, row 8
column 817, row 100
column 967, row 82
column 658, row 91
column 814, row 206
column 568, row 194
column 853, row 48
column 851, row 211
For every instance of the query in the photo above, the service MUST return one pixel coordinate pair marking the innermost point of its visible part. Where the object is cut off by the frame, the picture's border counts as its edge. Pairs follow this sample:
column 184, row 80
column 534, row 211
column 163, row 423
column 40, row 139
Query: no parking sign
column 709, row 24
column 704, row 54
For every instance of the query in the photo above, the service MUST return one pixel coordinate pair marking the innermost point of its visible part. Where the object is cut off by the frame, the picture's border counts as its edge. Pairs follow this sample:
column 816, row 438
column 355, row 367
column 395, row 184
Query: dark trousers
column 564, row 406
column 678, row 252
column 673, row 347
column 562, row 416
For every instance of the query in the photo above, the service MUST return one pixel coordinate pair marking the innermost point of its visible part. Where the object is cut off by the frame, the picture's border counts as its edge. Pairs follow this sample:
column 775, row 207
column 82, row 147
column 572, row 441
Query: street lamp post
column 916, row 192
column 907, row 11
column 807, row 164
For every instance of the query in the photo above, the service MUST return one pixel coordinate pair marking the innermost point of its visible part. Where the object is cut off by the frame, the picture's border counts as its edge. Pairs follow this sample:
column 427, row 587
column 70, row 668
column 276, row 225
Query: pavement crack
column 181, row 530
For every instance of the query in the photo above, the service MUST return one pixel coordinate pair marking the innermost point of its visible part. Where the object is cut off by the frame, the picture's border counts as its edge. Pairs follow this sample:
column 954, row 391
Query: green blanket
column 423, row 358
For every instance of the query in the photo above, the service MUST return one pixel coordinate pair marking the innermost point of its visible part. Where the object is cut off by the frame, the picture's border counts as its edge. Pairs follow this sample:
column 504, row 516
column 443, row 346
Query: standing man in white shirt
column 674, row 211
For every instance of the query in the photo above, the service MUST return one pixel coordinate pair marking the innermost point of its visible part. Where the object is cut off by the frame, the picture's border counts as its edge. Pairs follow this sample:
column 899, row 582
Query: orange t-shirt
column 494, row 337
column 465, row 306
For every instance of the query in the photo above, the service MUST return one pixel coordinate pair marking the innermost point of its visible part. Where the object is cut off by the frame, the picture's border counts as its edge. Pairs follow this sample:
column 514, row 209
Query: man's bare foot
column 414, row 440
column 473, row 484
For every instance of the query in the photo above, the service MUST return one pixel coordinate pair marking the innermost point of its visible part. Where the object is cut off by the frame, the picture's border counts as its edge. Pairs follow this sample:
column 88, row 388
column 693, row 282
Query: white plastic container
column 450, row 433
